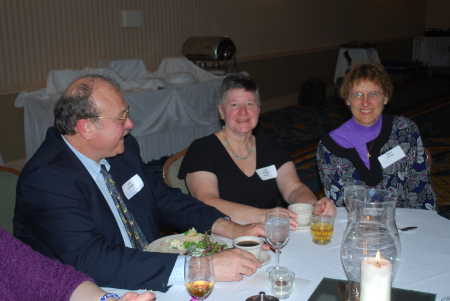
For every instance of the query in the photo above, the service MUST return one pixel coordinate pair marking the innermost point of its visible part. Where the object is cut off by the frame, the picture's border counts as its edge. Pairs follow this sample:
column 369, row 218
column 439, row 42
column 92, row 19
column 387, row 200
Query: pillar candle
column 376, row 276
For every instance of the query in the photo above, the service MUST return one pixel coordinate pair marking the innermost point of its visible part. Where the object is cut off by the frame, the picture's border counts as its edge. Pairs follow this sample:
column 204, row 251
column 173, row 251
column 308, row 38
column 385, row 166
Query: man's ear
column 84, row 128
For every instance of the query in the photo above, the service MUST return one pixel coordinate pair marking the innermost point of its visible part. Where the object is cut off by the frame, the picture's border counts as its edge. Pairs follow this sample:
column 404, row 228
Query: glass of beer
column 322, row 229
column 199, row 275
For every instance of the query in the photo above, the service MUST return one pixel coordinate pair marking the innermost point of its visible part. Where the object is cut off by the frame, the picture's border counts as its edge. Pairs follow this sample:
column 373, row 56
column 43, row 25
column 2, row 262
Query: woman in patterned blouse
column 382, row 150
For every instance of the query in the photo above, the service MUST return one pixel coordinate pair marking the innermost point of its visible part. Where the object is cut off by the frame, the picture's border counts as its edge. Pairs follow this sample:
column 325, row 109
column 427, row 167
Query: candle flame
column 377, row 257
column 368, row 218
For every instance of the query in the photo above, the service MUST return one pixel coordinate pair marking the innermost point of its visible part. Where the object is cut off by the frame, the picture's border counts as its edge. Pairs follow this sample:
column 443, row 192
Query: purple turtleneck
column 353, row 135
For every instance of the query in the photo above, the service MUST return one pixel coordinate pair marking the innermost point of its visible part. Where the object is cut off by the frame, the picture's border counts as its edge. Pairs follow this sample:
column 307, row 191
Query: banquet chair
column 170, row 171
column 429, row 157
column 8, row 184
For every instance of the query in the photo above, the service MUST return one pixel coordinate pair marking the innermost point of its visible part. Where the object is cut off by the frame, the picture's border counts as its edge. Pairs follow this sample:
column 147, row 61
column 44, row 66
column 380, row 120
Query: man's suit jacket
column 61, row 212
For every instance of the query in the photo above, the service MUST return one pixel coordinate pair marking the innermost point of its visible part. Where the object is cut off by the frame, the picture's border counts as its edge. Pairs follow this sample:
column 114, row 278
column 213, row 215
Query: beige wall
column 280, row 43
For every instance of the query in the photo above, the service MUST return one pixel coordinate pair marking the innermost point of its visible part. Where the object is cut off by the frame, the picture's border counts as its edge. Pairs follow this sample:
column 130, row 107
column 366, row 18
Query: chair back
column 8, row 184
column 170, row 171
column 429, row 158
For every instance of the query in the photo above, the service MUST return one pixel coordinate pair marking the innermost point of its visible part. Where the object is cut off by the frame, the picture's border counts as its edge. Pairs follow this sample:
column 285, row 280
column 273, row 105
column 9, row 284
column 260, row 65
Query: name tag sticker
column 391, row 156
column 132, row 186
column 267, row 173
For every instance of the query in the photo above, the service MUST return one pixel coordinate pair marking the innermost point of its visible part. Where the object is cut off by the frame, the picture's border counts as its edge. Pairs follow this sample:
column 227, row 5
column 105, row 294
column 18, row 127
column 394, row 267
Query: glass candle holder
column 370, row 229
column 282, row 283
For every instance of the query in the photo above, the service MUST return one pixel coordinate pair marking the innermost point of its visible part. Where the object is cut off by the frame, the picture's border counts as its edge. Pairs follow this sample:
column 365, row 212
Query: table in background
column 166, row 120
column 357, row 55
column 432, row 51
column 424, row 264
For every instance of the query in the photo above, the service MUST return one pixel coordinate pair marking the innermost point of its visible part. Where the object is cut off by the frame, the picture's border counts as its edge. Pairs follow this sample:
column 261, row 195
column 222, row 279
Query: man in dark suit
column 65, row 209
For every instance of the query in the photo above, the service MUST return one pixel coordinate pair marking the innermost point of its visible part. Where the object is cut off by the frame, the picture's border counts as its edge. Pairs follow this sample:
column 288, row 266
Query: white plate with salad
column 190, row 240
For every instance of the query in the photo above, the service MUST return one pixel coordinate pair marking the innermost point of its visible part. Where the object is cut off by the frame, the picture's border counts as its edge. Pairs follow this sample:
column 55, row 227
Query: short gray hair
column 237, row 81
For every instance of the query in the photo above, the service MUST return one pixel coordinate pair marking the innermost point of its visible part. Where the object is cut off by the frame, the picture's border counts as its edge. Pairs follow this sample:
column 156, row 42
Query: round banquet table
column 424, row 264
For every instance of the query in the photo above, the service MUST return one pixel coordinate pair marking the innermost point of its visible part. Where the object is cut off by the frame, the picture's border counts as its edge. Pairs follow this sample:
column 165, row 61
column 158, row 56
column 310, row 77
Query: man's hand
column 145, row 296
column 225, row 228
column 230, row 265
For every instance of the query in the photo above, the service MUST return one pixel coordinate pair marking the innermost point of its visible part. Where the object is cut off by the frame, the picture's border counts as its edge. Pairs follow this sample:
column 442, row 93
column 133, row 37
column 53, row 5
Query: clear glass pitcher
column 371, row 228
column 353, row 189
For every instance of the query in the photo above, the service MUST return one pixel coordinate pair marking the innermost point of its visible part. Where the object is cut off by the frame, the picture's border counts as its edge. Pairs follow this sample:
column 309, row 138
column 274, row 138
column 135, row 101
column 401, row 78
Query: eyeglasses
column 371, row 95
column 121, row 119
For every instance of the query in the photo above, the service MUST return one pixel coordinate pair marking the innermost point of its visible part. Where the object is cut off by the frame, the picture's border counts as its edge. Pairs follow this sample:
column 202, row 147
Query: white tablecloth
column 432, row 51
column 166, row 119
column 424, row 264
column 357, row 55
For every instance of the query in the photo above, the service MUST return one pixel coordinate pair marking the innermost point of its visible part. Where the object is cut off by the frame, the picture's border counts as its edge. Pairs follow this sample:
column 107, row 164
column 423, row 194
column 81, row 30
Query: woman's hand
column 145, row 296
column 325, row 206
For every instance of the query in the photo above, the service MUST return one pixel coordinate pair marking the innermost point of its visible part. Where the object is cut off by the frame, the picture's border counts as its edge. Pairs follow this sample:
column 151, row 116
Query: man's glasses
column 121, row 119
column 371, row 95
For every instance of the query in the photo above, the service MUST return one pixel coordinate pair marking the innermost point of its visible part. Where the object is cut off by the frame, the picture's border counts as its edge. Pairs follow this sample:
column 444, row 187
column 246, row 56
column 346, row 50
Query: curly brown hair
column 375, row 73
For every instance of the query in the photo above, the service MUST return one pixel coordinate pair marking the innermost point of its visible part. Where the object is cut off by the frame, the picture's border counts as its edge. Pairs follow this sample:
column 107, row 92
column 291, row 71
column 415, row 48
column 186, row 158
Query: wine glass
column 277, row 229
column 199, row 275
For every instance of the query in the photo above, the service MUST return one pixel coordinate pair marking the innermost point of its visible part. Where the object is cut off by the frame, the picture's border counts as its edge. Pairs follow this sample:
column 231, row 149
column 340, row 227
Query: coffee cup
column 303, row 212
column 252, row 244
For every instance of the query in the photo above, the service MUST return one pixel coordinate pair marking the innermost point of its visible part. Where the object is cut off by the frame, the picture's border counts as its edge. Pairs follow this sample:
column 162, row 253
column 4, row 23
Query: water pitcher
column 370, row 228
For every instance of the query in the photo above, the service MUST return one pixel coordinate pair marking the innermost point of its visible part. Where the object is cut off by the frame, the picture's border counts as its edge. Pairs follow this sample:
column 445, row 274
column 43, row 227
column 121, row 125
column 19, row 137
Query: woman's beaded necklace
column 229, row 146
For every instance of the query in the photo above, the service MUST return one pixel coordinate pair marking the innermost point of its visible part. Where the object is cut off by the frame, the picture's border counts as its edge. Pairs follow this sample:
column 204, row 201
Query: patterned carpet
column 426, row 101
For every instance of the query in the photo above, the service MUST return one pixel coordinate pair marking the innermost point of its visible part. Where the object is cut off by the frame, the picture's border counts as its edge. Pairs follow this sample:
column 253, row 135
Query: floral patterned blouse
column 408, row 177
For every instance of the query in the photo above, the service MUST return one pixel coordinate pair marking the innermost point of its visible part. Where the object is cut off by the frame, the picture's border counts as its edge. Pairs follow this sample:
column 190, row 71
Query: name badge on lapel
column 267, row 173
column 132, row 186
column 391, row 156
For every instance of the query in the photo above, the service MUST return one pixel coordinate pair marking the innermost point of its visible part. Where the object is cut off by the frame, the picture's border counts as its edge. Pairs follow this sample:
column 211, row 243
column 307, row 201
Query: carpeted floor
column 299, row 128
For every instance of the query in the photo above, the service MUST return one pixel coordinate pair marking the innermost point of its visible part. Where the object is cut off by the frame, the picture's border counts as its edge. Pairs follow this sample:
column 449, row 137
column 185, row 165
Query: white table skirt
column 432, row 51
column 358, row 55
column 424, row 264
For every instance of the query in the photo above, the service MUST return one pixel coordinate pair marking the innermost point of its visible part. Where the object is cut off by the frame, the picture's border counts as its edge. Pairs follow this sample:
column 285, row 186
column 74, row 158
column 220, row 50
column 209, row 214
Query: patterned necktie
column 137, row 238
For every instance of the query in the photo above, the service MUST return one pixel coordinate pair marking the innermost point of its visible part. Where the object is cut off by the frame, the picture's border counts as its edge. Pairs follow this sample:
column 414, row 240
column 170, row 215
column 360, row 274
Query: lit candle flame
column 377, row 257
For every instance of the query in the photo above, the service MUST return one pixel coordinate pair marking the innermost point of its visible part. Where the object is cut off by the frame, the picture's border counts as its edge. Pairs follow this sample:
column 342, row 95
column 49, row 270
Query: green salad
column 196, row 243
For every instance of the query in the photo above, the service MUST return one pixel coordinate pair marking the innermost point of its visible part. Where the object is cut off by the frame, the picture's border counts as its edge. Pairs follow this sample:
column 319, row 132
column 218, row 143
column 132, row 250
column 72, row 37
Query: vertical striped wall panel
column 37, row 36
column 438, row 14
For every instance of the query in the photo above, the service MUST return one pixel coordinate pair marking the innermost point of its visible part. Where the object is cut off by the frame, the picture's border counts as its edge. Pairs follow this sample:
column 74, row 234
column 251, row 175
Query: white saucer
column 264, row 258
column 303, row 227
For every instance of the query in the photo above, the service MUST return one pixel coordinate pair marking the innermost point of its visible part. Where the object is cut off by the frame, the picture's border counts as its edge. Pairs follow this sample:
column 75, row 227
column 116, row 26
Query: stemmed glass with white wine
column 277, row 229
column 199, row 275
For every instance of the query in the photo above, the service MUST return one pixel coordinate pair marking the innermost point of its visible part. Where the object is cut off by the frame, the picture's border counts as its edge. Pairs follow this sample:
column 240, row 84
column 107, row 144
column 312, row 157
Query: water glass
column 277, row 228
column 282, row 283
